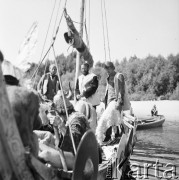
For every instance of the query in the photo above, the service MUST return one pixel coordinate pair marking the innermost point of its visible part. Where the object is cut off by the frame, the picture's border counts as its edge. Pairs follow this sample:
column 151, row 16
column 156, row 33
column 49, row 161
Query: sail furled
column 27, row 48
column 73, row 38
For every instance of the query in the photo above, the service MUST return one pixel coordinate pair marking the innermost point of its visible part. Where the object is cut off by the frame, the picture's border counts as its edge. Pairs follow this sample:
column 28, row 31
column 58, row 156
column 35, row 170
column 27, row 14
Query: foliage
column 147, row 79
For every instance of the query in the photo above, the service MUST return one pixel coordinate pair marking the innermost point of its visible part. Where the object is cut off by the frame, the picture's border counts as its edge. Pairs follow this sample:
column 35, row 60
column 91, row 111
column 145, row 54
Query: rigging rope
column 35, row 73
column 46, row 63
column 53, row 41
column 58, row 72
column 87, row 40
column 103, row 29
column 52, row 46
column 89, row 25
column 107, row 30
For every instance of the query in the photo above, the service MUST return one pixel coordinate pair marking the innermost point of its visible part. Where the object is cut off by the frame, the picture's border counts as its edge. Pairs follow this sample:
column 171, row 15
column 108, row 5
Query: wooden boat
column 20, row 164
column 150, row 122
column 114, row 167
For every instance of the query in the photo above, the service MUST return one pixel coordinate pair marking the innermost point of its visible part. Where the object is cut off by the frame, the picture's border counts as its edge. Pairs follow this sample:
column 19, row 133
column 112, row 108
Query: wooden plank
column 10, row 138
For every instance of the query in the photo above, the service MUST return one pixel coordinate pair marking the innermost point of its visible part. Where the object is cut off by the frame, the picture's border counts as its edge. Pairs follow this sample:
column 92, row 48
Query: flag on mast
column 27, row 48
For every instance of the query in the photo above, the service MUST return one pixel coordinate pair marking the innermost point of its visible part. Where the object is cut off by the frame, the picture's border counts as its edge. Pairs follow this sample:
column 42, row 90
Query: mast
column 74, row 38
column 81, row 35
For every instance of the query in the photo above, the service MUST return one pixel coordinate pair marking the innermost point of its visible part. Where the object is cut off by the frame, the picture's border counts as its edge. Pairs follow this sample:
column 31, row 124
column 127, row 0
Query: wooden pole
column 58, row 73
column 81, row 34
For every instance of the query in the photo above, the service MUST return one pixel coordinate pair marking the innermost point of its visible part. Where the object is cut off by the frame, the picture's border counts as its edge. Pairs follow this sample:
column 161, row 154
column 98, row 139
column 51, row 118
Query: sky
column 135, row 27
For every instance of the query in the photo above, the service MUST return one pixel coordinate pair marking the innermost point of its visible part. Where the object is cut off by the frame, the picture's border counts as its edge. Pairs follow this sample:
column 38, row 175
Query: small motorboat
column 150, row 122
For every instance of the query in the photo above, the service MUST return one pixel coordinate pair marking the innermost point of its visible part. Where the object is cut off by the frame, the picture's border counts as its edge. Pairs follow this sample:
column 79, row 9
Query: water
column 158, row 144
column 166, row 137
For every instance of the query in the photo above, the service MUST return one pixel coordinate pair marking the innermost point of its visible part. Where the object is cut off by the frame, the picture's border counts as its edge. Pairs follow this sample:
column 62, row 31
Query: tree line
column 150, row 78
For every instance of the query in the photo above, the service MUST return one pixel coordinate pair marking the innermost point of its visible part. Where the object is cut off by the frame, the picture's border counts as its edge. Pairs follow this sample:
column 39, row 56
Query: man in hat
column 86, row 86
column 116, row 88
column 49, row 83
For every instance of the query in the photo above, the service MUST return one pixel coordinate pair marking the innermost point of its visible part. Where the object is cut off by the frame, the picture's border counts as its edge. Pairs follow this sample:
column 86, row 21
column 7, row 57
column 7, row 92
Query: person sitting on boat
column 86, row 86
column 43, row 110
column 78, row 124
column 49, row 83
column 154, row 111
column 116, row 98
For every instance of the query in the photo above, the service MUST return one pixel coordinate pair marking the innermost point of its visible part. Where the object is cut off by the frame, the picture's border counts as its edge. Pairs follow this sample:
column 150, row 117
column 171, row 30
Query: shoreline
column 170, row 109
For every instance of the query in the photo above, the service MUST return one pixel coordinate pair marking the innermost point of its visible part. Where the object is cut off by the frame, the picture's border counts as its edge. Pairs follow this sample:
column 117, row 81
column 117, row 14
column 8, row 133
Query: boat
column 21, row 163
column 150, row 122
column 17, row 164
column 114, row 167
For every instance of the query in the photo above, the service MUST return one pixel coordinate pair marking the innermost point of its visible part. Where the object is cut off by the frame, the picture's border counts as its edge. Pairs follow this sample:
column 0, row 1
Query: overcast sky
column 135, row 27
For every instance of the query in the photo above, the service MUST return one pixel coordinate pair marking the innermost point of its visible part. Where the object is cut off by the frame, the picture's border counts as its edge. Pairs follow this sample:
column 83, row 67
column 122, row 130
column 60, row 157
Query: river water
column 158, row 145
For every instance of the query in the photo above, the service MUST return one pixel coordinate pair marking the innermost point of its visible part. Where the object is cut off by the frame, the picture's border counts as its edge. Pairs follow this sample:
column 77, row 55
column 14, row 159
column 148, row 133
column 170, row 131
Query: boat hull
column 114, row 168
column 154, row 122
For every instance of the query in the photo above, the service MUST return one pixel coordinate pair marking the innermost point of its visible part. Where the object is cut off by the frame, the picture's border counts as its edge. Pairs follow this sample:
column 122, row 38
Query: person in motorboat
column 116, row 100
column 49, row 83
column 86, row 86
column 154, row 111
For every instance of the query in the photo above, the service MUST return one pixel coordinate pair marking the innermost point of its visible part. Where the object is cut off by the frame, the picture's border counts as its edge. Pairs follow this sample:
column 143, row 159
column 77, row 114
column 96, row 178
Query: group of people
column 52, row 127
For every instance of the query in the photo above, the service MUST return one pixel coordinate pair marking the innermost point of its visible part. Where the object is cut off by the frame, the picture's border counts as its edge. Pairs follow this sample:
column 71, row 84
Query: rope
column 89, row 25
column 42, row 61
column 58, row 72
column 107, row 31
column 56, row 17
column 46, row 63
column 65, row 4
column 87, row 40
column 35, row 74
column 103, row 29
column 53, row 41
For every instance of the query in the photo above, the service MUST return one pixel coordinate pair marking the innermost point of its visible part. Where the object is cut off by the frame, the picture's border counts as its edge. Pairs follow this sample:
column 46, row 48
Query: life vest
column 84, row 83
